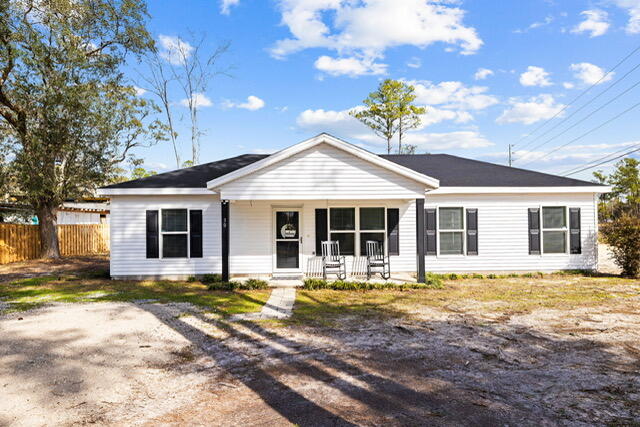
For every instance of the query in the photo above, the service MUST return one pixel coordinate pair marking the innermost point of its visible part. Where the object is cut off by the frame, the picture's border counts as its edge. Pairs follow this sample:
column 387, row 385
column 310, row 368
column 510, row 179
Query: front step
column 287, row 277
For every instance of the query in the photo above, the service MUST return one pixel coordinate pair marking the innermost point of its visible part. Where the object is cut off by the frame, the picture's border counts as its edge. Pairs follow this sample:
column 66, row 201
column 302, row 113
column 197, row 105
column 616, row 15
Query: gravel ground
column 130, row 364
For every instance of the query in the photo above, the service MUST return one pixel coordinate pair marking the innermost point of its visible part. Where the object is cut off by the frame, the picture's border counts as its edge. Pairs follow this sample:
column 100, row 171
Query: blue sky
column 488, row 75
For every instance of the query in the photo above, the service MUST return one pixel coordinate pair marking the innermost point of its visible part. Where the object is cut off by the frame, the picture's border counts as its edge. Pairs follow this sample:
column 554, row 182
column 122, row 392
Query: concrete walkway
column 279, row 306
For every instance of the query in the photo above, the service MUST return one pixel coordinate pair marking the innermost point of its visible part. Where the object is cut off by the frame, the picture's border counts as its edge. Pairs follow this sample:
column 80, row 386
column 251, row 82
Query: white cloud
column 535, row 76
column 568, row 85
column 139, row 91
column 452, row 95
column 548, row 20
column 482, row 74
column 199, row 100
column 633, row 9
column 590, row 74
column 596, row 22
column 174, row 50
column 534, row 109
column 366, row 29
column 351, row 67
column 253, row 103
column 415, row 62
column 448, row 141
column 225, row 6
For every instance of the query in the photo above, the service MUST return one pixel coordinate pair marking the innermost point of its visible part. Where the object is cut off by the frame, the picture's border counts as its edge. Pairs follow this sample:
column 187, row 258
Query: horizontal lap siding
column 128, row 236
column 252, row 234
column 322, row 172
column 503, row 240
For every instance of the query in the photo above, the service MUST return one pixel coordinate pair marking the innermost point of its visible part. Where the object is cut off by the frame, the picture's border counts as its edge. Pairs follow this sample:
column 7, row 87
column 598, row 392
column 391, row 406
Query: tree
column 407, row 149
column 625, row 190
column 381, row 111
column 158, row 81
column 138, row 171
column 194, row 69
column 408, row 114
column 390, row 110
column 68, row 115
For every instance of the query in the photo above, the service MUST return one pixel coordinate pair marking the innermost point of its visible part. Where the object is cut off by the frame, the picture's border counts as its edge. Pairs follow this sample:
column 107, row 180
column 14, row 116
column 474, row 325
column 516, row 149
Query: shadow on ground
column 441, row 372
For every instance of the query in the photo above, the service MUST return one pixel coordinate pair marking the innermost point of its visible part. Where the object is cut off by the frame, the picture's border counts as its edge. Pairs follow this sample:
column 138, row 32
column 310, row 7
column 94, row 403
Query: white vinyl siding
column 128, row 237
column 320, row 173
column 503, row 239
column 251, row 234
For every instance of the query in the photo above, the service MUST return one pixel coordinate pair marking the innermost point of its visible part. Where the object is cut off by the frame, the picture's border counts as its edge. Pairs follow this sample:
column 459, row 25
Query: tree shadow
column 384, row 376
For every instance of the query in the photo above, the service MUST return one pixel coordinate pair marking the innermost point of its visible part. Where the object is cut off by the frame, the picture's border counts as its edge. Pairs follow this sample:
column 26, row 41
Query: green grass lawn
column 30, row 293
column 505, row 295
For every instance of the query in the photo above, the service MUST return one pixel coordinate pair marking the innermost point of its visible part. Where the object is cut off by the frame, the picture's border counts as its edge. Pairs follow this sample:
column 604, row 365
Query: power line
column 602, row 163
column 587, row 116
column 570, row 171
column 581, row 108
column 579, row 96
column 584, row 134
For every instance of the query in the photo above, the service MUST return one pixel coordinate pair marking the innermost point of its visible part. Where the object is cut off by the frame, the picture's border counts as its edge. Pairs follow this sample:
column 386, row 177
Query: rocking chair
column 376, row 259
column 332, row 260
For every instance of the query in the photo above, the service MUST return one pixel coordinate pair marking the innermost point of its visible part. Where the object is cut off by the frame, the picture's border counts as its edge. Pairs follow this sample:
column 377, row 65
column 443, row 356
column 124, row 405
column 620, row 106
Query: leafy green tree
column 408, row 113
column 625, row 190
column 68, row 115
column 623, row 235
column 381, row 111
column 390, row 110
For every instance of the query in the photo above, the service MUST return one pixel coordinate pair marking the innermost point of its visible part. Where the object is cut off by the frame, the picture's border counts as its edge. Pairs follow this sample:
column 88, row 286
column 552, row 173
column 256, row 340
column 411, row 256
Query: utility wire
column 602, row 163
column 585, row 134
column 579, row 96
column 570, row 171
column 586, row 117
column 581, row 108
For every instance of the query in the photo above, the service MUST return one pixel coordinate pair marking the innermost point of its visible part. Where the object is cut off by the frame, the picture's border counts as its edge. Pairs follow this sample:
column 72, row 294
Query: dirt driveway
column 124, row 363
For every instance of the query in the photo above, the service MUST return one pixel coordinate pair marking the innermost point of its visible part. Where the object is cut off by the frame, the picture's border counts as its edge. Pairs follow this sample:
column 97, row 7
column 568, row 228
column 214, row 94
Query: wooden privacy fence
column 20, row 242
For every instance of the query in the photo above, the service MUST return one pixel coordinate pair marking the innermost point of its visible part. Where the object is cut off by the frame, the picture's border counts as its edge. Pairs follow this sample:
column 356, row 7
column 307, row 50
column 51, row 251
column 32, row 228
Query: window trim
column 565, row 229
column 187, row 232
column 463, row 231
column 357, row 231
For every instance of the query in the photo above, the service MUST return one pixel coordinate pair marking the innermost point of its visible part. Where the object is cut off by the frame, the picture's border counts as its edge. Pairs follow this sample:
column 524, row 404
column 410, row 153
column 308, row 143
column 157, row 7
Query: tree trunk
column 400, row 138
column 48, row 232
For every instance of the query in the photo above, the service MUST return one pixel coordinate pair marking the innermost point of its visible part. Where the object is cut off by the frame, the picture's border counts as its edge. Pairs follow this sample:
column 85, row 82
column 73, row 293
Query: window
column 175, row 235
column 451, row 230
column 554, row 230
column 342, row 224
column 352, row 228
column 371, row 228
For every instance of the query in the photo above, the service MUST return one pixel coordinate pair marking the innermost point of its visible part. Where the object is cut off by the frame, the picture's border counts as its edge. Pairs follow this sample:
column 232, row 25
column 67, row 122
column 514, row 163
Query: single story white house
column 265, row 215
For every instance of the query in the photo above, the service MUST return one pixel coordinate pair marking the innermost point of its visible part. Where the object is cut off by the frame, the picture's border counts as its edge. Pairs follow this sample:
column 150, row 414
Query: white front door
column 287, row 240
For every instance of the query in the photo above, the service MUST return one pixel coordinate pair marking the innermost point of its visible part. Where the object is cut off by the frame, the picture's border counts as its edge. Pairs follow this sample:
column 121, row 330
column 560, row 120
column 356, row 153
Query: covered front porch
column 281, row 239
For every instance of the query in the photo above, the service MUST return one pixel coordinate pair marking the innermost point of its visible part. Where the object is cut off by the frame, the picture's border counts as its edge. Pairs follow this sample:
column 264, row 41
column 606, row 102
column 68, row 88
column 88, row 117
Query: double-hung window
column 451, row 231
column 554, row 230
column 175, row 233
column 352, row 228
column 342, row 226
column 372, row 227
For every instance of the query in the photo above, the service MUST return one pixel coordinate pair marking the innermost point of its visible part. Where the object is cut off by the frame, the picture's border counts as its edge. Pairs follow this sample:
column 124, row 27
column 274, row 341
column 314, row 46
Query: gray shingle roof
column 452, row 171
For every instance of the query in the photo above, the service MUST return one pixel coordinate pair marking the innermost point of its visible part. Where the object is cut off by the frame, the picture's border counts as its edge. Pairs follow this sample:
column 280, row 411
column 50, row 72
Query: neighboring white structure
column 83, row 213
column 266, row 215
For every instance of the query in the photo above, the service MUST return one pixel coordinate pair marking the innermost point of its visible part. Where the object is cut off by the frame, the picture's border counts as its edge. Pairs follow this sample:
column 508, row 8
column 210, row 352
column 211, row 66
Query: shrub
column 623, row 235
column 234, row 285
column 211, row 278
column 477, row 276
column 191, row 279
column 431, row 282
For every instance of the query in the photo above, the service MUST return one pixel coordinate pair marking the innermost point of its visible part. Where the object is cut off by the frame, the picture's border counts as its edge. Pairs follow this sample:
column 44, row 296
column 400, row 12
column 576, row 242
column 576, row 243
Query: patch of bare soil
column 124, row 364
column 44, row 267
column 606, row 264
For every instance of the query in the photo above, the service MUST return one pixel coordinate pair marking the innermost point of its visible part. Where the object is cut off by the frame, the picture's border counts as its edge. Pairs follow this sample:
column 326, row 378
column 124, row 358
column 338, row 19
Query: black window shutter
column 393, row 231
column 472, row 231
column 153, row 248
column 430, row 235
column 195, row 233
column 574, row 231
column 321, row 229
column 534, row 231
